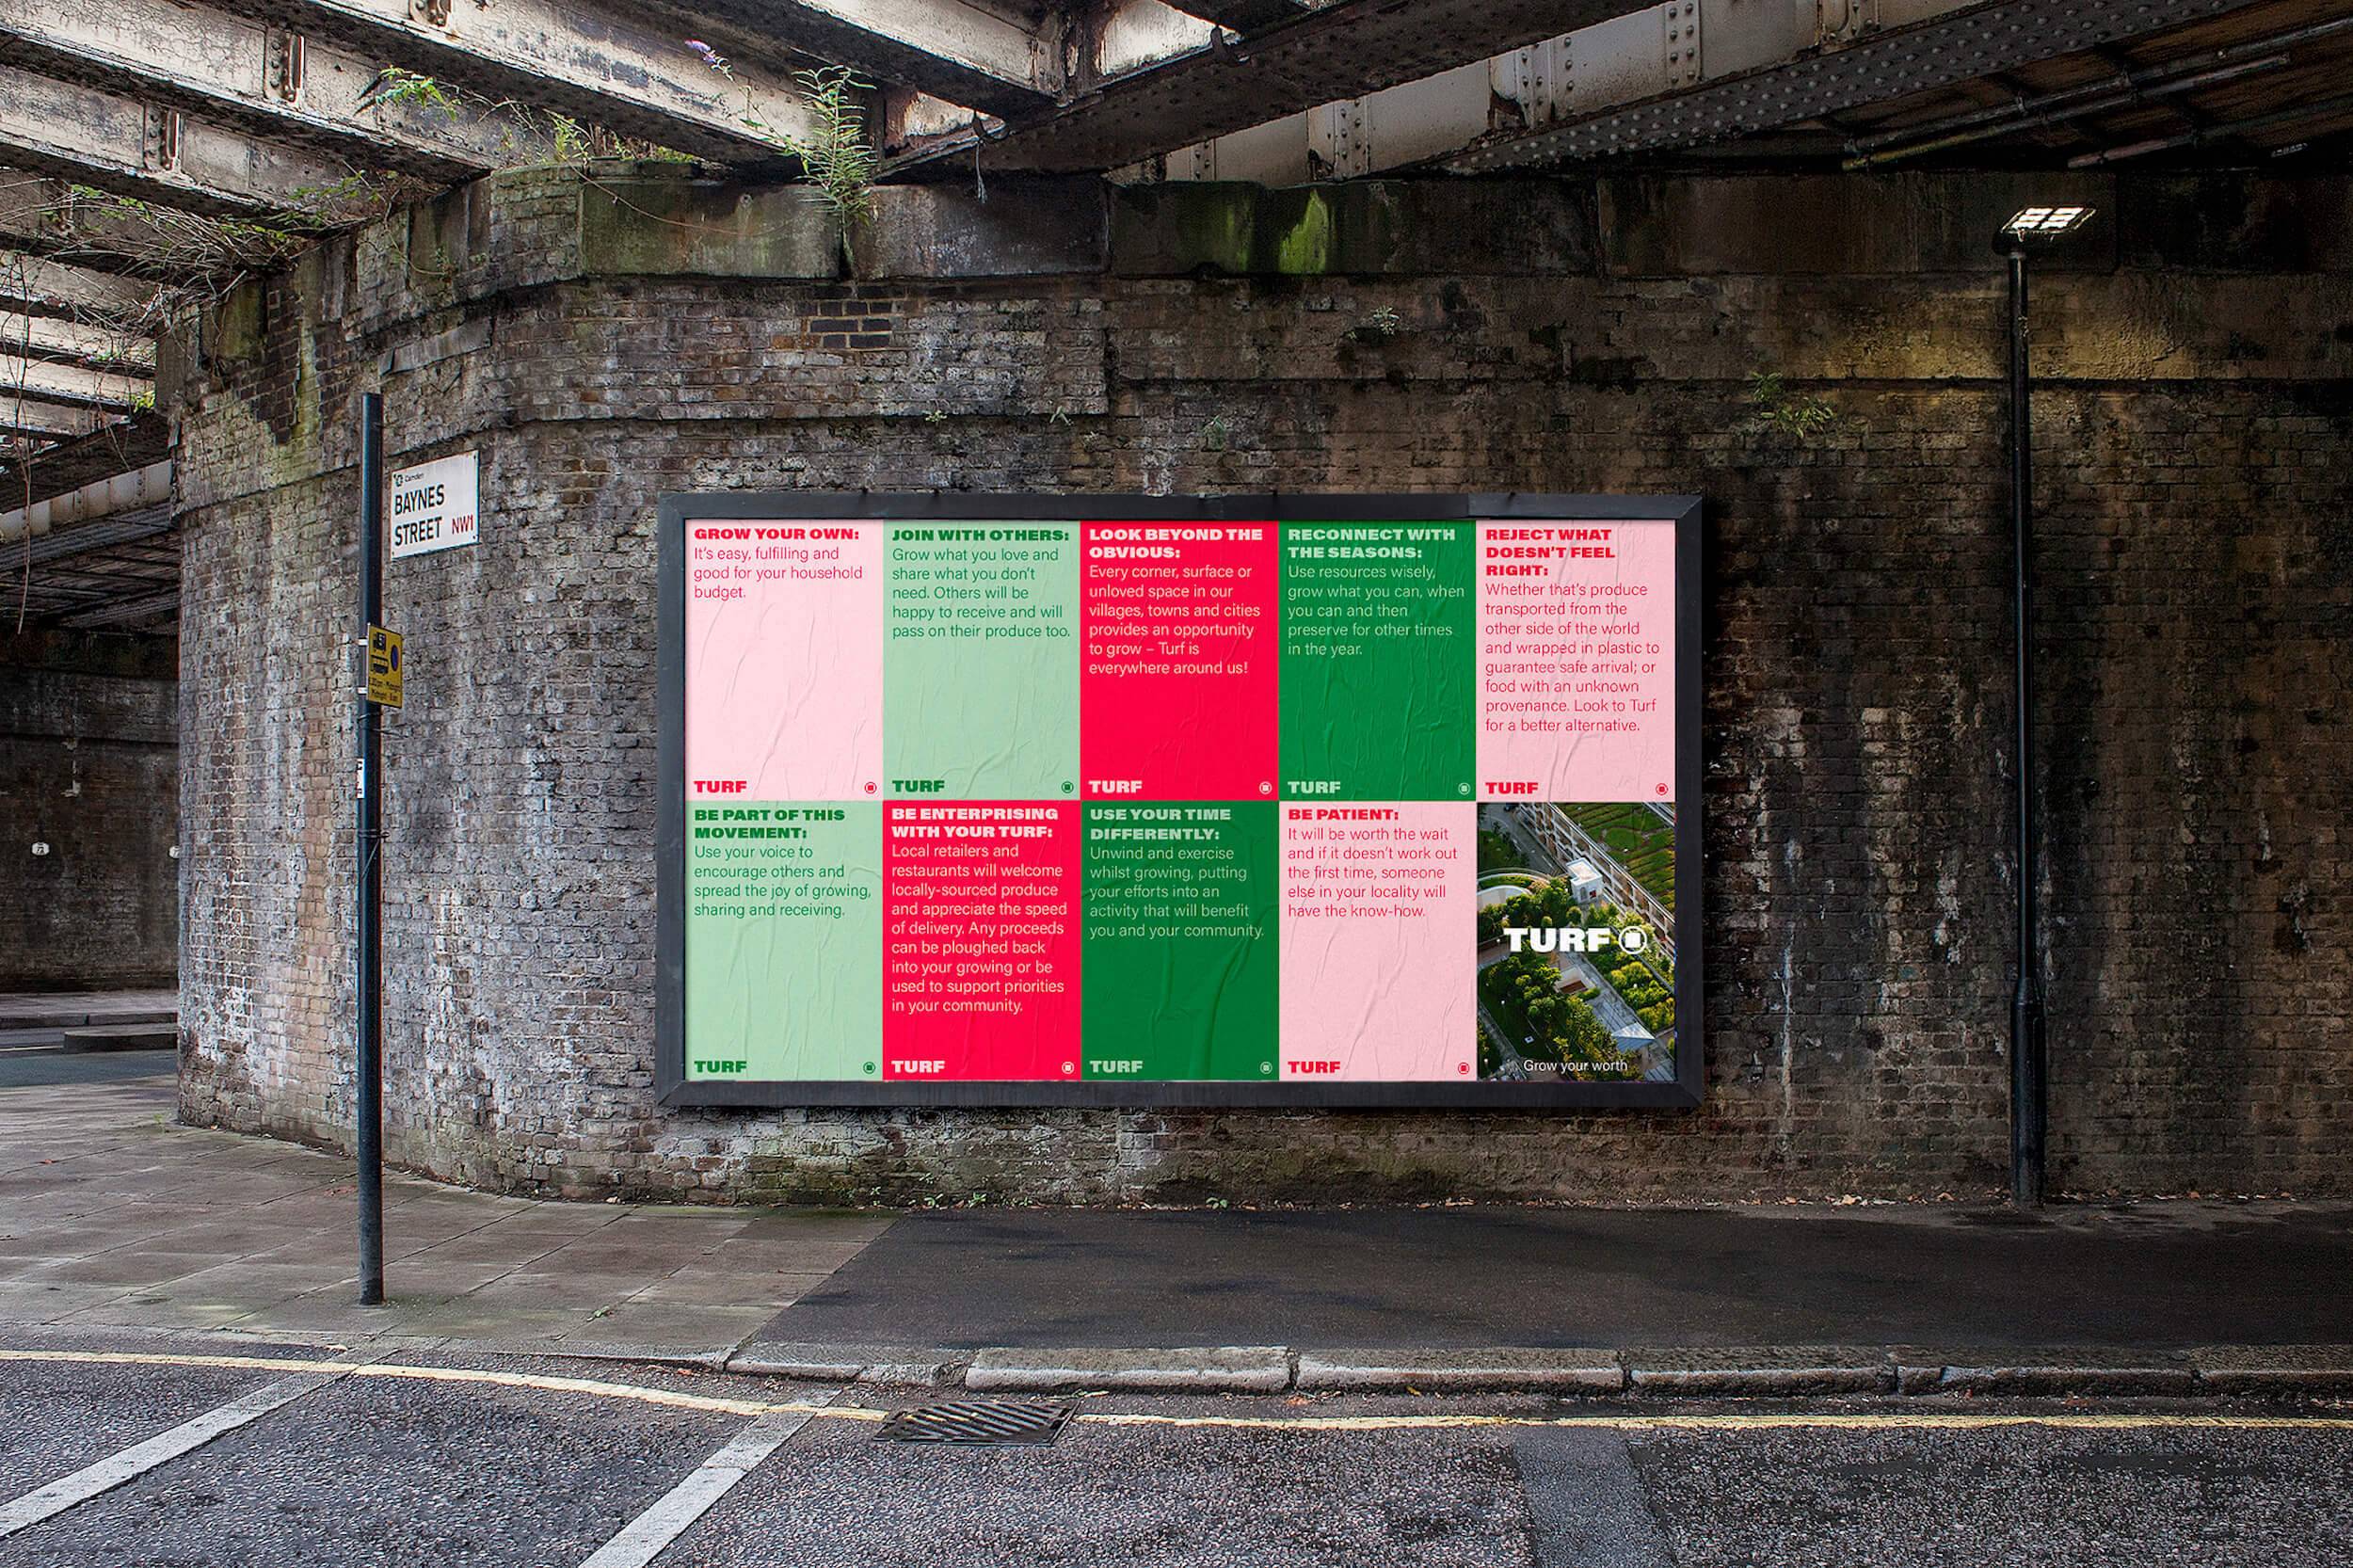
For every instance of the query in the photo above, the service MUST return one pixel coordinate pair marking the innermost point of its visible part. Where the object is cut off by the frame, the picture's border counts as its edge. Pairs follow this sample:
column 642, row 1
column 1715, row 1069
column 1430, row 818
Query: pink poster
column 980, row 940
column 1379, row 903
column 1182, row 627
column 784, row 643
column 1576, row 661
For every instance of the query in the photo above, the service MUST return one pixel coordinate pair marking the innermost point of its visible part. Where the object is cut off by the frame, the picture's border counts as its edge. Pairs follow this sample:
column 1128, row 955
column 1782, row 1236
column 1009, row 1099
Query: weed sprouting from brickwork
column 1800, row 416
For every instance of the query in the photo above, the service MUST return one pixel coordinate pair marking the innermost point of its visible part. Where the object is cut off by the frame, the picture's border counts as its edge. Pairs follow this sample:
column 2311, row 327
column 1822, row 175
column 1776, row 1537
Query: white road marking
column 137, row 1460
column 643, row 1538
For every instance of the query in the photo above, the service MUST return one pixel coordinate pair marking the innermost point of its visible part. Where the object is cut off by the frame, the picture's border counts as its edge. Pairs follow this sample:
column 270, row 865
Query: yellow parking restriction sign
column 383, row 667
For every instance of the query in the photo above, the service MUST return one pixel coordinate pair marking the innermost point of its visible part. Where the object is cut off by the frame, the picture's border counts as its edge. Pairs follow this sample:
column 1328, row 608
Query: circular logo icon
column 1662, row 789
column 1461, row 788
column 1067, row 786
column 1266, row 787
column 1463, row 1067
column 869, row 786
column 1070, row 1067
column 1266, row 1066
column 869, row 1066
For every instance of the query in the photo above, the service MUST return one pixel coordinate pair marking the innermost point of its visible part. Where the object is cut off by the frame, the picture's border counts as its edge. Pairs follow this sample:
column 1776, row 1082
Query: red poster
column 1182, row 627
column 980, row 940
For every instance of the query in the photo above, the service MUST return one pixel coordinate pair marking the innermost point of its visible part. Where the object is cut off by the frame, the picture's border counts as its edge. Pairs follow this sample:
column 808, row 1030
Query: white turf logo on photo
column 1574, row 939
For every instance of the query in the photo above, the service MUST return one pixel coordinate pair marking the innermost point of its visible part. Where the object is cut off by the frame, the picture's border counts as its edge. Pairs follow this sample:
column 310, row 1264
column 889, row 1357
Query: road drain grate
column 976, row 1423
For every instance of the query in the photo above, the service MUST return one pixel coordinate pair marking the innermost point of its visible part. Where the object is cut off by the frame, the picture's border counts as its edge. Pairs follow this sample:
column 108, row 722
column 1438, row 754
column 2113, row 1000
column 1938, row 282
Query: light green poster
column 784, row 967
column 981, row 661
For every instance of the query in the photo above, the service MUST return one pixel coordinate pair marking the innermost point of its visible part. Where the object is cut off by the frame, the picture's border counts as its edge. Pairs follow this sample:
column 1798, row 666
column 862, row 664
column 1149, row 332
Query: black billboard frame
column 673, row 1087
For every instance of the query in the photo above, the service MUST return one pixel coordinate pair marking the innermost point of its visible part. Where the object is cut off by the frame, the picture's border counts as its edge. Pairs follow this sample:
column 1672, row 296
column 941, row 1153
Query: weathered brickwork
column 89, row 763
column 2195, row 433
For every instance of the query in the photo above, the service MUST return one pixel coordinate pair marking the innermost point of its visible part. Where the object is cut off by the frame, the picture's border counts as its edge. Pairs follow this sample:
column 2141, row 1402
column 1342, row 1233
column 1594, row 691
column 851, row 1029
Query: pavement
column 112, row 1216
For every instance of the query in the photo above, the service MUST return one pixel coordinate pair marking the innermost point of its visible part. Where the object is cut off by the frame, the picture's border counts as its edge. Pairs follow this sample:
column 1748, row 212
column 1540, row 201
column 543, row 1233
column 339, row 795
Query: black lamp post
column 2029, row 1072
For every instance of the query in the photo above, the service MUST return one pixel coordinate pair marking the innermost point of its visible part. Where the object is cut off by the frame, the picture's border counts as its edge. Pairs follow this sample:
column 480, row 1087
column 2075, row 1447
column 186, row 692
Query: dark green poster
column 1379, row 634
column 1179, row 942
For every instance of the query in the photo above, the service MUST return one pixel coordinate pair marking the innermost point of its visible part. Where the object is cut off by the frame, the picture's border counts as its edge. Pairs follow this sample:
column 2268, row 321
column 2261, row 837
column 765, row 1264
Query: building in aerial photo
column 1575, row 949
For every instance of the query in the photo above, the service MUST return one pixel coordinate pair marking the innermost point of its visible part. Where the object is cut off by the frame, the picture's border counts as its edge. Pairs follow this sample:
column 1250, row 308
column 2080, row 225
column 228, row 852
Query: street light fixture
column 2046, row 221
column 2029, row 1073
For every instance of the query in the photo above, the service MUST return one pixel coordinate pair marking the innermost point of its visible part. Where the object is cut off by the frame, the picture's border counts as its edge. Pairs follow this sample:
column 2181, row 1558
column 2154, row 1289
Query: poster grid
column 1101, row 976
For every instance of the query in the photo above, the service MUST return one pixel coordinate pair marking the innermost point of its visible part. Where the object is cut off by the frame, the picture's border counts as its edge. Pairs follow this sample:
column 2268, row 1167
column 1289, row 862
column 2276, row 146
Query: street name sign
column 433, row 506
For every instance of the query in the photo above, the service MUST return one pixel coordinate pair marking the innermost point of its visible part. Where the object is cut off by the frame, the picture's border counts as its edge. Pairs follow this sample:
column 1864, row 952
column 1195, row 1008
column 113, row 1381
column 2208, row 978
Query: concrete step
column 144, row 1035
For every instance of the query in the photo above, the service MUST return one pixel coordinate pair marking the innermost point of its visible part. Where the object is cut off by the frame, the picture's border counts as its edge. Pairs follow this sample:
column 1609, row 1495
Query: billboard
column 1280, row 800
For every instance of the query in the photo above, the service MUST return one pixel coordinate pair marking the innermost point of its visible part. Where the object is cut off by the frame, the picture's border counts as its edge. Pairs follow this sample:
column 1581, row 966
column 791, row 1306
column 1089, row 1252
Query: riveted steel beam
column 1347, row 48
column 84, row 384
column 44, row 286
column 1876, row 67
column 968, row 54
column 150, row 154
column 266, row 81
column 605, row 64
column 48, row 338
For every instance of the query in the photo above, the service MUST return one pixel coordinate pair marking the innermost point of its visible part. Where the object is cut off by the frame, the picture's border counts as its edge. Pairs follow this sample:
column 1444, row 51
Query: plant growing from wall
column 841, row 160
column 1799, row 416
column 394, row 85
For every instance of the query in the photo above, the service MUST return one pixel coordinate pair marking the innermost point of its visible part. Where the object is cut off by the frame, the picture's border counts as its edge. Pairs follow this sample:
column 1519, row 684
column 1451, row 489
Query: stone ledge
column 893, row 1365
column 1226, row 1368
column 1771, row 1370
column 1554, row 1371
column 2274, row 1369
column 2042, row 1371
column 1765, row 1372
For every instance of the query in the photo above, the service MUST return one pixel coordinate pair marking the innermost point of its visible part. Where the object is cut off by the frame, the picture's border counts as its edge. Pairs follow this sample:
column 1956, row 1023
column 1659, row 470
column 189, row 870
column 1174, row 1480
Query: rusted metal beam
column 1605, row 80
column 38, row 416
column 975, row 56
column 149, row 153
column 1248, row 16
column 44, row 286
column 606, row 64
column 1348, row 48
column 265, row 80
column 84, row 384
column 45, row 217
column 1874, row 66
column 47, row 338
column 1657, row 48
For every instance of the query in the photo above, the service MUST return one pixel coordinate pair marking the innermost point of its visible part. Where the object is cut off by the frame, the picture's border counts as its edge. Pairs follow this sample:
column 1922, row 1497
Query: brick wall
column 88, row 766
column 606, row 339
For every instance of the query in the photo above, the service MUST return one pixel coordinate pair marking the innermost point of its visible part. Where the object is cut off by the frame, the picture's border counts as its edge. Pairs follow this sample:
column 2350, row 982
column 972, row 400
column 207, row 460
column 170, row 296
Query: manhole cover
column 975, row 1422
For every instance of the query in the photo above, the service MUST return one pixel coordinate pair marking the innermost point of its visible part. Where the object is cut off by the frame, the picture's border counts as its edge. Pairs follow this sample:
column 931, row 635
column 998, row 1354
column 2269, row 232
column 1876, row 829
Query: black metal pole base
column 2029, row 1117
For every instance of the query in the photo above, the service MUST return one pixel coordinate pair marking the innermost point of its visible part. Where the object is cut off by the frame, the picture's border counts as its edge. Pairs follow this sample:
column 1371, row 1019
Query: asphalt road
column 443, row 1459
column 31, row 1056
